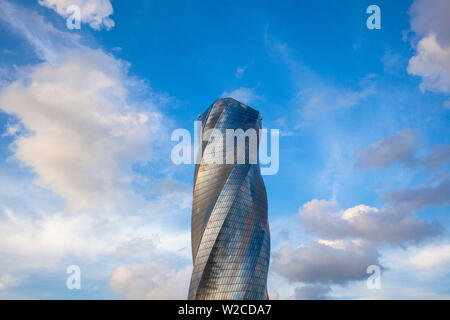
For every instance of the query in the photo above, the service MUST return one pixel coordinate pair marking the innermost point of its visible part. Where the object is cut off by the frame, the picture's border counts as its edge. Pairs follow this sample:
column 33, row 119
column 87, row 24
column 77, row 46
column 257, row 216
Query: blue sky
column 86, row 117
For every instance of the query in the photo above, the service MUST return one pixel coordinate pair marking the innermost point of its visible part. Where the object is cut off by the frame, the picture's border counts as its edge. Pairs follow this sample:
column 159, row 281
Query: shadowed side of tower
column 230, row 231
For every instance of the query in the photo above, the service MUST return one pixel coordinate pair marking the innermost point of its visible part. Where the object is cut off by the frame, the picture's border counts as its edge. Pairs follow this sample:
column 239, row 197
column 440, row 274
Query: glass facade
column 230, row 230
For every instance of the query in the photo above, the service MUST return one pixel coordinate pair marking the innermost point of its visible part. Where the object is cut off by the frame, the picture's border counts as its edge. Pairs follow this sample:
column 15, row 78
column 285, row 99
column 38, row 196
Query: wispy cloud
column 240, row 72
column 96, row 13
column 316, row 97
column 45, row 39
column 244, row 95
column 402, row 148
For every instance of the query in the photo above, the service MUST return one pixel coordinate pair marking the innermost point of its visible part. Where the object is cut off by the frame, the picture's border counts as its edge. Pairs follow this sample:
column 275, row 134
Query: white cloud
column 136, row 247
column 321, row 100
column 432, row 256
column 432, row 60
column 39, row 238
column 45, row 240
column 173, row 191
column 273, row 294
column 423, row 266
column 9, row 280
column 352, row 98
column 393, row 225
column 79, row 128
column 244, row 95
column 83, row 134
column 154, row 280
column 348, row 243
column 432, row 63
column 93, row 12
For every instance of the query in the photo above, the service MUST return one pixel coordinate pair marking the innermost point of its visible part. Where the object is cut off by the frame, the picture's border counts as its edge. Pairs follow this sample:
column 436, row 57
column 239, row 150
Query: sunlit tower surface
column 230, row 231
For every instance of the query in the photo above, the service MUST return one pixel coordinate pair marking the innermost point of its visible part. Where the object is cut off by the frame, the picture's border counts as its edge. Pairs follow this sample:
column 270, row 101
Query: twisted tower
column 230, row 230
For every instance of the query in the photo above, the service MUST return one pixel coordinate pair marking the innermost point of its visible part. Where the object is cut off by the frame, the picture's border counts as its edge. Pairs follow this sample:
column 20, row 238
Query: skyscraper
column 230, row 230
